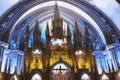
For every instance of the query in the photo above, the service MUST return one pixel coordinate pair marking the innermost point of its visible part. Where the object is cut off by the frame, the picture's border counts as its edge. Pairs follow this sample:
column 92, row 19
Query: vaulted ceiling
column 100, row 15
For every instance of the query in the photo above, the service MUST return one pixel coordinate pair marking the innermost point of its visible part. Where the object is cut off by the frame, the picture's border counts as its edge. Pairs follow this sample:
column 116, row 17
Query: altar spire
column 37, row 34
column 56, row 13
column 57, row 24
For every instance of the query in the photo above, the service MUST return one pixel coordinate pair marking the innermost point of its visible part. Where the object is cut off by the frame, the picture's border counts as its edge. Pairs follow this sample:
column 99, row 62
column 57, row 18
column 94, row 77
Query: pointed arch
column 85, row 76
column 61, row 71
column 78, row 11
column 104, row 77
column 15, row 77
column 63, row 62
column 36, row 77
column 36, row 73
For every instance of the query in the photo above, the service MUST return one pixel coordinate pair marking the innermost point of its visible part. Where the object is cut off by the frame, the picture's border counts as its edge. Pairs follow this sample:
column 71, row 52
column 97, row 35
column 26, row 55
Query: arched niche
column 36, row 76
column 104, row 77
column 61, row 71
column 80, row 59
column 14, row 77
column 85, row 76
column 37, row 59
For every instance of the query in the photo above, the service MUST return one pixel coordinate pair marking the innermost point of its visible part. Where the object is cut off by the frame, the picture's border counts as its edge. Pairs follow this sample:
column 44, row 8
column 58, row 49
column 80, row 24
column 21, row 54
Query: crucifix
column 59, row 74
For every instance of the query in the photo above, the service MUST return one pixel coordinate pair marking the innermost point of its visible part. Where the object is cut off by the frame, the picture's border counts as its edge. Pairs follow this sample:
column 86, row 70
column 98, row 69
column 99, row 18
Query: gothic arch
column 36, row 77
column 82, row 72
column 66, row 64
column 15, row 76
column 61, row 57
column 68, row 74
column 39, row 72
column 104, row 77
column 85, row 77
column 83, row 3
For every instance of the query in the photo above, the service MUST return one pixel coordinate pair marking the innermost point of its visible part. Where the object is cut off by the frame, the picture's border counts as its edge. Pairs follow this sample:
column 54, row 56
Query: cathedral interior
column 59, row 40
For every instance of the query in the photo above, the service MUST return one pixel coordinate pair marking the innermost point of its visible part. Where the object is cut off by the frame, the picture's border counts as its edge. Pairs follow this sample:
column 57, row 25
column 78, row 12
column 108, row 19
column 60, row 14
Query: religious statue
column 60, row 75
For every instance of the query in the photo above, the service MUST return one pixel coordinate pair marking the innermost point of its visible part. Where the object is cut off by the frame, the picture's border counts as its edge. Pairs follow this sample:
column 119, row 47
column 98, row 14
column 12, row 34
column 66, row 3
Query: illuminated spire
column 86, row 33
column 87, row 36
column 88, row 40
column 56, row 13
column 47, row 30
column 68, row 31
column 36, row 34
column 76, row 28
column 57, row 24
column 77, row 37
column 36, row 30
column 27, row 32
